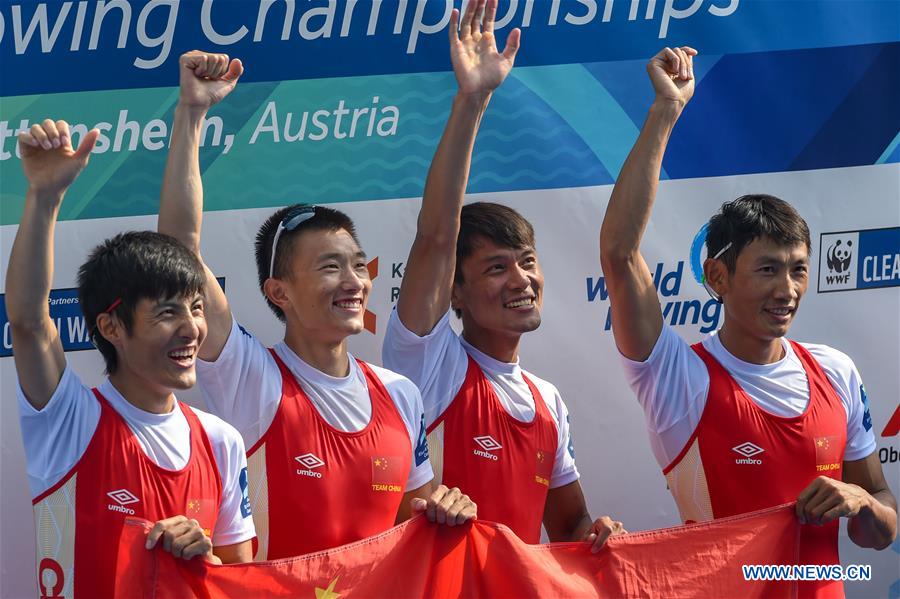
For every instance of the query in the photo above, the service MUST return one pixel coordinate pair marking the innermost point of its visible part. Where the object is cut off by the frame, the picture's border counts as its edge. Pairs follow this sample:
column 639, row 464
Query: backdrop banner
column 343, row 103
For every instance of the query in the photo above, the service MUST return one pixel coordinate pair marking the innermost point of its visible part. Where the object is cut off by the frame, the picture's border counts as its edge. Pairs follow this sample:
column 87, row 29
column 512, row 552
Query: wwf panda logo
column 838, row 257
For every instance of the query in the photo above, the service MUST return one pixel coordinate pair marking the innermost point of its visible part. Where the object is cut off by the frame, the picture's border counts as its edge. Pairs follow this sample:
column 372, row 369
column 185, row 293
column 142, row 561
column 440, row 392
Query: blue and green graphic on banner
column 567, row 116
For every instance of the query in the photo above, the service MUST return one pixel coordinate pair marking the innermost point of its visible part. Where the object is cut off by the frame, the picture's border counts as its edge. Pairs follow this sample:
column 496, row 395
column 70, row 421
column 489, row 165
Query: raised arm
column 50, row 165
column 205, row 79
column 636, row 315
column 479, row 68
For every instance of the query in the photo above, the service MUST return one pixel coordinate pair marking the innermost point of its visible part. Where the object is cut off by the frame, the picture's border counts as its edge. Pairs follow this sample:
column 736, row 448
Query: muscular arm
column 205, row 80
column 479, row 68
column 566, row 518
column 636, row 315
column 428, row 278
column 50, row 165
column 876, row 524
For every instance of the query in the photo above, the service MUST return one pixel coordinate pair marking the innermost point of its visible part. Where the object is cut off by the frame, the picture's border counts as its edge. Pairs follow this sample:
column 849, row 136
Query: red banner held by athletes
column 418, row 559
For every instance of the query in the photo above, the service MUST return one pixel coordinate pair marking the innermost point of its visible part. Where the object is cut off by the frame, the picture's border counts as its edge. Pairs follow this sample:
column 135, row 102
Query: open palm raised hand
column 478, row 66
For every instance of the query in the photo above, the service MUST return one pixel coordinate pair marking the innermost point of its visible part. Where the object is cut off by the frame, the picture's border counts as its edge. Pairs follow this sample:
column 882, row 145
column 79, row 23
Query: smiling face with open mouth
column 501, row 291
column 161, row 348
column 763, row 293
column 329, row 286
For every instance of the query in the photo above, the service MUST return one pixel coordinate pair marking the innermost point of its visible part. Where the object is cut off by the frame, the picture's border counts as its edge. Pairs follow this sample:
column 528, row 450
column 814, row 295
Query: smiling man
column 127, row 447
column 745, row 419
column 496, row 430
column 337, row 448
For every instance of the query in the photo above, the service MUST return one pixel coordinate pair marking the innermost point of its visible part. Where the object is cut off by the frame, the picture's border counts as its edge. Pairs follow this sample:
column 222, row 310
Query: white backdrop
column 571, row 348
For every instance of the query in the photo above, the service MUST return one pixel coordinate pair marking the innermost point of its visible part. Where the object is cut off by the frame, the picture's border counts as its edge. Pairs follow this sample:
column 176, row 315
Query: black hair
column 130, row 267
column 324, row 219
column 495, row 222
column 751, row 217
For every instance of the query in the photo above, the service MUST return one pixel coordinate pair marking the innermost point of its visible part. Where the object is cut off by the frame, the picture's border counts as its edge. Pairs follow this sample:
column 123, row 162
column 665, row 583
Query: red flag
column 419, row 559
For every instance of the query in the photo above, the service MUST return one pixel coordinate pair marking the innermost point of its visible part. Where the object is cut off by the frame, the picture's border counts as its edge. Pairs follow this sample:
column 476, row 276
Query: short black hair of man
column 131, row 267
column 325, row 219
column 498, row 223
column 752, row 217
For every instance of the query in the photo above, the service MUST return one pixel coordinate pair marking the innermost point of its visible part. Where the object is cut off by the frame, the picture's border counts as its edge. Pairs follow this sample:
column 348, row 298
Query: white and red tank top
column 314, row 487
column 78, row 520
column 500, row 462
column 742, row 458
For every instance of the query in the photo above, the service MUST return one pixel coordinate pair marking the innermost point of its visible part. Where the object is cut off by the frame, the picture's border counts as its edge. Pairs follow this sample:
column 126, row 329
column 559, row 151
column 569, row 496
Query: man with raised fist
column 745, row 419
column 127, row 447
column 337, row 447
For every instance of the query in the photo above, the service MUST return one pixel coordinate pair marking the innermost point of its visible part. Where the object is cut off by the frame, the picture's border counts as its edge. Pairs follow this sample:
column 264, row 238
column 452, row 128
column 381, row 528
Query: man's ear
column 277, row 293
column 111, row 328
column 456, row 300
column 716, row 274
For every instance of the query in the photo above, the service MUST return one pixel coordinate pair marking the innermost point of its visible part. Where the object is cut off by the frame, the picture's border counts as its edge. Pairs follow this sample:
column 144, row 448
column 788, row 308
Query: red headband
column 113, row 305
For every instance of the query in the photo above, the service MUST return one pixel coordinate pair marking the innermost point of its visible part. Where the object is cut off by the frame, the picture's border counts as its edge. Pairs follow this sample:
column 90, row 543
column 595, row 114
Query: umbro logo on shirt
column 310, row 461
column 122, row 497
column 748, row 450
column 488, row 445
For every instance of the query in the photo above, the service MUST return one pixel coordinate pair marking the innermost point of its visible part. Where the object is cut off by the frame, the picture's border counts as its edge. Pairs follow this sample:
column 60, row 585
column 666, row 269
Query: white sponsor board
column 572, row 348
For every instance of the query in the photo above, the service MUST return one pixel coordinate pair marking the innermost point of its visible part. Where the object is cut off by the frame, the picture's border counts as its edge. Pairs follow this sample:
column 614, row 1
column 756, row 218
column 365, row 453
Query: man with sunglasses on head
column 337, row 448
column 745, row 419
column 127, row 447
column 497, row 431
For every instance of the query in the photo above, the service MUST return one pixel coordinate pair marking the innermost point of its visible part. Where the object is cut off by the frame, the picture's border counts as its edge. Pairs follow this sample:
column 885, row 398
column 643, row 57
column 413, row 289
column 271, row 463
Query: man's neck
column 330, row 358
column 750, row 349
column 501, row 347
column 137, row 393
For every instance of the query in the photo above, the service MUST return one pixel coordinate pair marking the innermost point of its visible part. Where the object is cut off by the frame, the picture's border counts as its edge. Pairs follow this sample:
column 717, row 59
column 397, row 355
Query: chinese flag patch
column 829, row 453
column 388, row 474
column 543, row 467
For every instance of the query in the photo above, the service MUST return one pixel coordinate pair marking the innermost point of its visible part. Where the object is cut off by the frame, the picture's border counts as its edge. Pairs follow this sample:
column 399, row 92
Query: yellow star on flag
column 329, row 592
